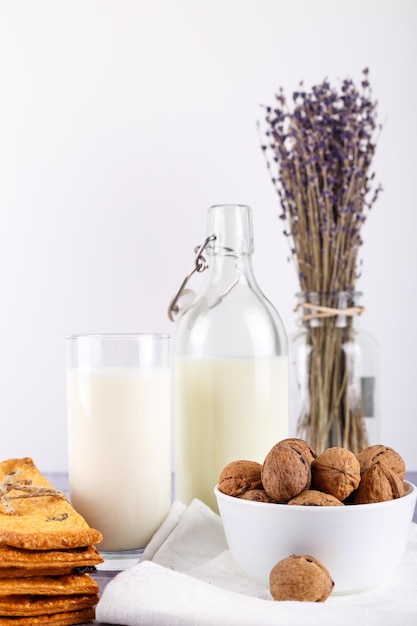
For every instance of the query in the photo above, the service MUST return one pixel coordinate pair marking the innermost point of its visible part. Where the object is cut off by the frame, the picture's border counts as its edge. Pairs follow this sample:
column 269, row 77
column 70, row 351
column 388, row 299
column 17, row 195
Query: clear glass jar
column 334, row 374
column 231, row 389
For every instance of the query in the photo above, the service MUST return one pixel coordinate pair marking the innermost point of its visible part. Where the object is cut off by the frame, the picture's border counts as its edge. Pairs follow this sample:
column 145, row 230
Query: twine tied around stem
column 327, row 311
column 10, row 483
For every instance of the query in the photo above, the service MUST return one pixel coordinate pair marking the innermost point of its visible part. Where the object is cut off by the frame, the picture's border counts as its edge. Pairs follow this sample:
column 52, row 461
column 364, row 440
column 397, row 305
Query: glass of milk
column 119, row 435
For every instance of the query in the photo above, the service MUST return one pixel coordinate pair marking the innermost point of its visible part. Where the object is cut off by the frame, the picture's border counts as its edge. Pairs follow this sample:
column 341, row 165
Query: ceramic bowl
column 361, row 545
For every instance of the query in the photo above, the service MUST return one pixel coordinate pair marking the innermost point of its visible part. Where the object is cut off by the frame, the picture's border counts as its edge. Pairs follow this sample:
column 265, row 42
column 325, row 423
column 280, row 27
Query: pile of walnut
column 293, row 474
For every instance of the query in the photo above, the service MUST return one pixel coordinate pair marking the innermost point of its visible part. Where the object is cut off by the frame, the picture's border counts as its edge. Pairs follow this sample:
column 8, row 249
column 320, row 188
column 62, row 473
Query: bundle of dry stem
column 319, row 156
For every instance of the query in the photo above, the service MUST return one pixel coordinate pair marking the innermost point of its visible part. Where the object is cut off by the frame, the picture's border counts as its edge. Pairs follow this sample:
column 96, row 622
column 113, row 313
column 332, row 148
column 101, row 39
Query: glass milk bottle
column 231, row 363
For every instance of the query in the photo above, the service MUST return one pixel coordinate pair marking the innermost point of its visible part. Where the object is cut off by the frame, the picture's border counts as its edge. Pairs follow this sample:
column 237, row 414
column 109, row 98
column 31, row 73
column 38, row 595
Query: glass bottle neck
column 231, row 225
column 230, row 269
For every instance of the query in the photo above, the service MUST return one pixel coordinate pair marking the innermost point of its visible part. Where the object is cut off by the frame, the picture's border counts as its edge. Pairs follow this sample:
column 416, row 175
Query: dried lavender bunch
column 321, row 152
column 319, row 155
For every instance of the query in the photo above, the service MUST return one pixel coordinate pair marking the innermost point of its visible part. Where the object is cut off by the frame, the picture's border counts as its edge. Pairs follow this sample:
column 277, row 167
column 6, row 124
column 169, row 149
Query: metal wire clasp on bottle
column 200, row 264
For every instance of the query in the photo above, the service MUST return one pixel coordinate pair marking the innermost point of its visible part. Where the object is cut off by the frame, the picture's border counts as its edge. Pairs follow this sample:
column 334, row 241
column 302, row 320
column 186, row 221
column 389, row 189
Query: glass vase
column 334, row 391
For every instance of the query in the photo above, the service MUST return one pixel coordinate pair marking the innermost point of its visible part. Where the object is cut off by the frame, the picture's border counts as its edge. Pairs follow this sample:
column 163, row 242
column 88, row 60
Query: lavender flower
column 319, row 155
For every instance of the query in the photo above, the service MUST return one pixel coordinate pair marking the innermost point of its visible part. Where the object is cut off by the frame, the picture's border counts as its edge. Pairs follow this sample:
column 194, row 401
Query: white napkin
column 187, row 577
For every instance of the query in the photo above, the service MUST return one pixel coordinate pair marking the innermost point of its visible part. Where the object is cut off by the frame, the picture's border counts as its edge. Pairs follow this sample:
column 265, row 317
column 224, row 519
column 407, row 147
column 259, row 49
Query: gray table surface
column 60, row 481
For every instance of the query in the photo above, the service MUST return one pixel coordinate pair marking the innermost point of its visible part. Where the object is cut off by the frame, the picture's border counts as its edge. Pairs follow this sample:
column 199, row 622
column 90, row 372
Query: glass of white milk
column 119, row 435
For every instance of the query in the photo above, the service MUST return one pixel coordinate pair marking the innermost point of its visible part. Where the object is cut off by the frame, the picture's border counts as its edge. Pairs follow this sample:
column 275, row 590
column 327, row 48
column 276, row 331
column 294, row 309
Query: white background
column 122, row 121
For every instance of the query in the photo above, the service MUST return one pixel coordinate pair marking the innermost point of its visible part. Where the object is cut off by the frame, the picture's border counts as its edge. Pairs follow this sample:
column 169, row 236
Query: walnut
column 300, row 578
column 257, row 495
column 301, row 446
column 240, row 476
column 336, row 471
column 311, row 497
column 383, row 454
column 285, row 472
column 379, row 484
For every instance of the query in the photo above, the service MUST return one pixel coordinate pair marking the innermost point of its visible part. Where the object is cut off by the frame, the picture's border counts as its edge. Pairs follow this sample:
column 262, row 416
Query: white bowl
column 360, row 544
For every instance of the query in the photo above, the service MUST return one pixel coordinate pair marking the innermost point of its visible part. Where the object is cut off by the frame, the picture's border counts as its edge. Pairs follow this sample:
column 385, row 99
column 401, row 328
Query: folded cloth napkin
column 187, row 577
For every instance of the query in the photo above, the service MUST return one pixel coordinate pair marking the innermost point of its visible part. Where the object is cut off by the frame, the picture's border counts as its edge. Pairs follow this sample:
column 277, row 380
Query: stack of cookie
column 46, row 552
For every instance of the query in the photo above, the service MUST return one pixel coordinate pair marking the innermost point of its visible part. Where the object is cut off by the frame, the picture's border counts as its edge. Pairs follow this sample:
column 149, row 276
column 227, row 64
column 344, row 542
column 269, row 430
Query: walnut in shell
column 285, row 472
column 379, row 484
column 312, row 497
column 301, row 578
column 240, row 476
column 384, row 454
column 336, row 471
column 301, row 446
column 257, row 495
